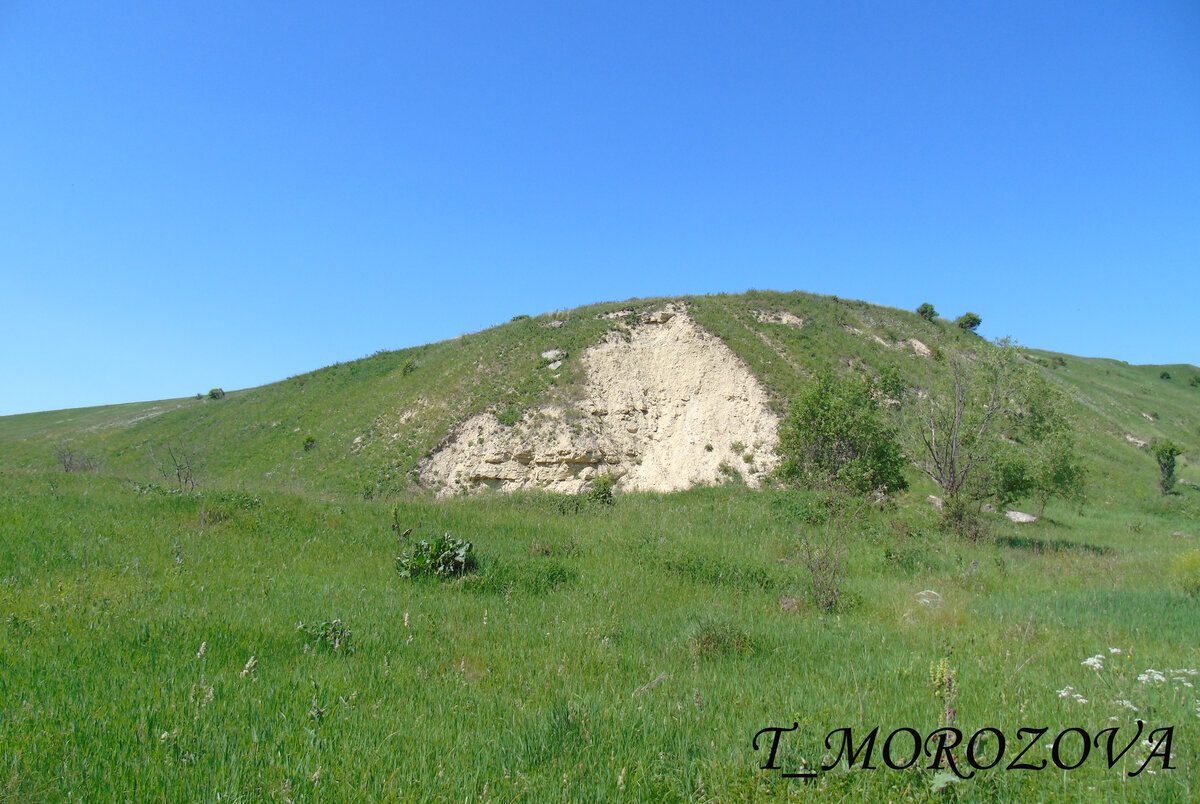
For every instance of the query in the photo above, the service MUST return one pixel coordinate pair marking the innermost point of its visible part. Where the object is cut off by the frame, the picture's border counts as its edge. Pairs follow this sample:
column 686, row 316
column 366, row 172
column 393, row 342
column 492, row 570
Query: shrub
column 444, row 557
column 1195, row 381
column 1164, row 375
column 73, row 461
column 927, row 312
column 834, row 434
column 964, row 518
column 1165, row 453
column 309, row 443
column 968, row 321
column 602, row 490
column 216, row 393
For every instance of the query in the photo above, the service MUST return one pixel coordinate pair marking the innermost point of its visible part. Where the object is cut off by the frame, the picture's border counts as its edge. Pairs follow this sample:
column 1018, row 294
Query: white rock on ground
column 651, row 406
column 779, row 317
column 918, row 347
column 1018, row 516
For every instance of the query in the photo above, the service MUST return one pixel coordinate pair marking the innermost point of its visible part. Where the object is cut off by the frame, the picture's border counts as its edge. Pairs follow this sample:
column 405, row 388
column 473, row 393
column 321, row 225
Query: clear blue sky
column 199, row 194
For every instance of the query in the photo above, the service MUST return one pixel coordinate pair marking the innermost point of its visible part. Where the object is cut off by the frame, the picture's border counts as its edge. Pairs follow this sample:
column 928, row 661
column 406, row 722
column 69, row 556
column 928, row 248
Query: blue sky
column 200, row 194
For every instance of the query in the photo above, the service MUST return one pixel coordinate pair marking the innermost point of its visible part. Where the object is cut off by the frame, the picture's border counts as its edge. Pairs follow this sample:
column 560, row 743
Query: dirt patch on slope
column 666, row 406
column 778, row 317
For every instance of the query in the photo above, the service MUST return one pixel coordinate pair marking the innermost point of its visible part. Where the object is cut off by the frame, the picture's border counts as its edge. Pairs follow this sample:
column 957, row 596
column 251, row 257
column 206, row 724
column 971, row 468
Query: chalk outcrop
column 666, row 405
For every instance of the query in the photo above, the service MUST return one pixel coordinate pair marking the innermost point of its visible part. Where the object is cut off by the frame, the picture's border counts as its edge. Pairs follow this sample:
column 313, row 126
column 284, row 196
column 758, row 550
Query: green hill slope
column 361, row 428
column 253, row 641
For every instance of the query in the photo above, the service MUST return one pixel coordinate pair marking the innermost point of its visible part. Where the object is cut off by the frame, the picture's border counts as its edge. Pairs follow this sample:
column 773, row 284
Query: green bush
column 1164, row 375
column 927, row 312
column 835, row 434
column 969, row 321
column 309, row 443
column 216, row 393
column 444, row 557
column 1165, row 453
column 602, row 490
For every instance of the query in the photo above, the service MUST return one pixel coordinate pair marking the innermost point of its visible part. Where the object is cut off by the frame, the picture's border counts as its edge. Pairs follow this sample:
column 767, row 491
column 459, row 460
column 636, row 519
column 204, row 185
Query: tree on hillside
column 969, row 321
column 990, row 428
column 835, row 435
column 1165, row 453
column 927, row 312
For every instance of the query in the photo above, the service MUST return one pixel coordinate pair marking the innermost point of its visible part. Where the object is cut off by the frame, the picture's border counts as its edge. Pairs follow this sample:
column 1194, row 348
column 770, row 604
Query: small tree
column 969, row 321
column 179, row 467
column 994, row 429
column 216, row 393
column 1165, row 453
column 835, row 435
column 955, row 426
column 927, row 312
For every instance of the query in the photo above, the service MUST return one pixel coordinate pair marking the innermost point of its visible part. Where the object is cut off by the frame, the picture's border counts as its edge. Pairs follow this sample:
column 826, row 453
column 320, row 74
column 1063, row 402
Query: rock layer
column 666, row 406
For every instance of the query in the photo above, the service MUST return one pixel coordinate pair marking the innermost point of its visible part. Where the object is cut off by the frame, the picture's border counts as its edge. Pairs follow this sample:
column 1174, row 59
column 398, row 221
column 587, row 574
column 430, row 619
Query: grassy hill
column 251, row 639
column 372, row 420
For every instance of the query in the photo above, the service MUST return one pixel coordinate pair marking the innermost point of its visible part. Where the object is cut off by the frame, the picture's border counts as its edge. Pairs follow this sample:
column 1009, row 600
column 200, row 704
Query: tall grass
column 150, row 648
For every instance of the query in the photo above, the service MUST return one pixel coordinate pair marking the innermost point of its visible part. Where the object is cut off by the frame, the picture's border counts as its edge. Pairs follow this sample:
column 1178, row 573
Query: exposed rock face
column 662, row 410
column 779, row 317
column 918, row 347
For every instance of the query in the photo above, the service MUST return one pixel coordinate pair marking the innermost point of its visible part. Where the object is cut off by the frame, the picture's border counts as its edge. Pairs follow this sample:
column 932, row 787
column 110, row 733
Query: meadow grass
column 159, row 643
column 151, row 651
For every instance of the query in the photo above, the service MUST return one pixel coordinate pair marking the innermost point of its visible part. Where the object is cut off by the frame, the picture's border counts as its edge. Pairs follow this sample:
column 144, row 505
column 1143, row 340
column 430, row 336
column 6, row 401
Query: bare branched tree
column 180, row 466
column 958, row 420
column 72, row 460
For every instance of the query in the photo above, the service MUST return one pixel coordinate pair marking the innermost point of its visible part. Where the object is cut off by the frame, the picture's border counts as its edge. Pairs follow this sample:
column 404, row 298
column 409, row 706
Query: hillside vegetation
column 208, row 604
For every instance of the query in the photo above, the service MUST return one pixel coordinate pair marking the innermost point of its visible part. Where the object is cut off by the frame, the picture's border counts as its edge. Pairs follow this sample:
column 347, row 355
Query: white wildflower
column 1095, row 662
column 203, row 648
column 1065, row 692
column 406, row 620
column 1080, row 698
column 1151, row 675
column 1114, row 650
column 1127, row 705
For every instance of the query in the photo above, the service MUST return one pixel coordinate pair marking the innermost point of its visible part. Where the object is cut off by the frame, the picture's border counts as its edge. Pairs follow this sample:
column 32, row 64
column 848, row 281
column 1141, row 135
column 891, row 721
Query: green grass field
column 166, row 645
